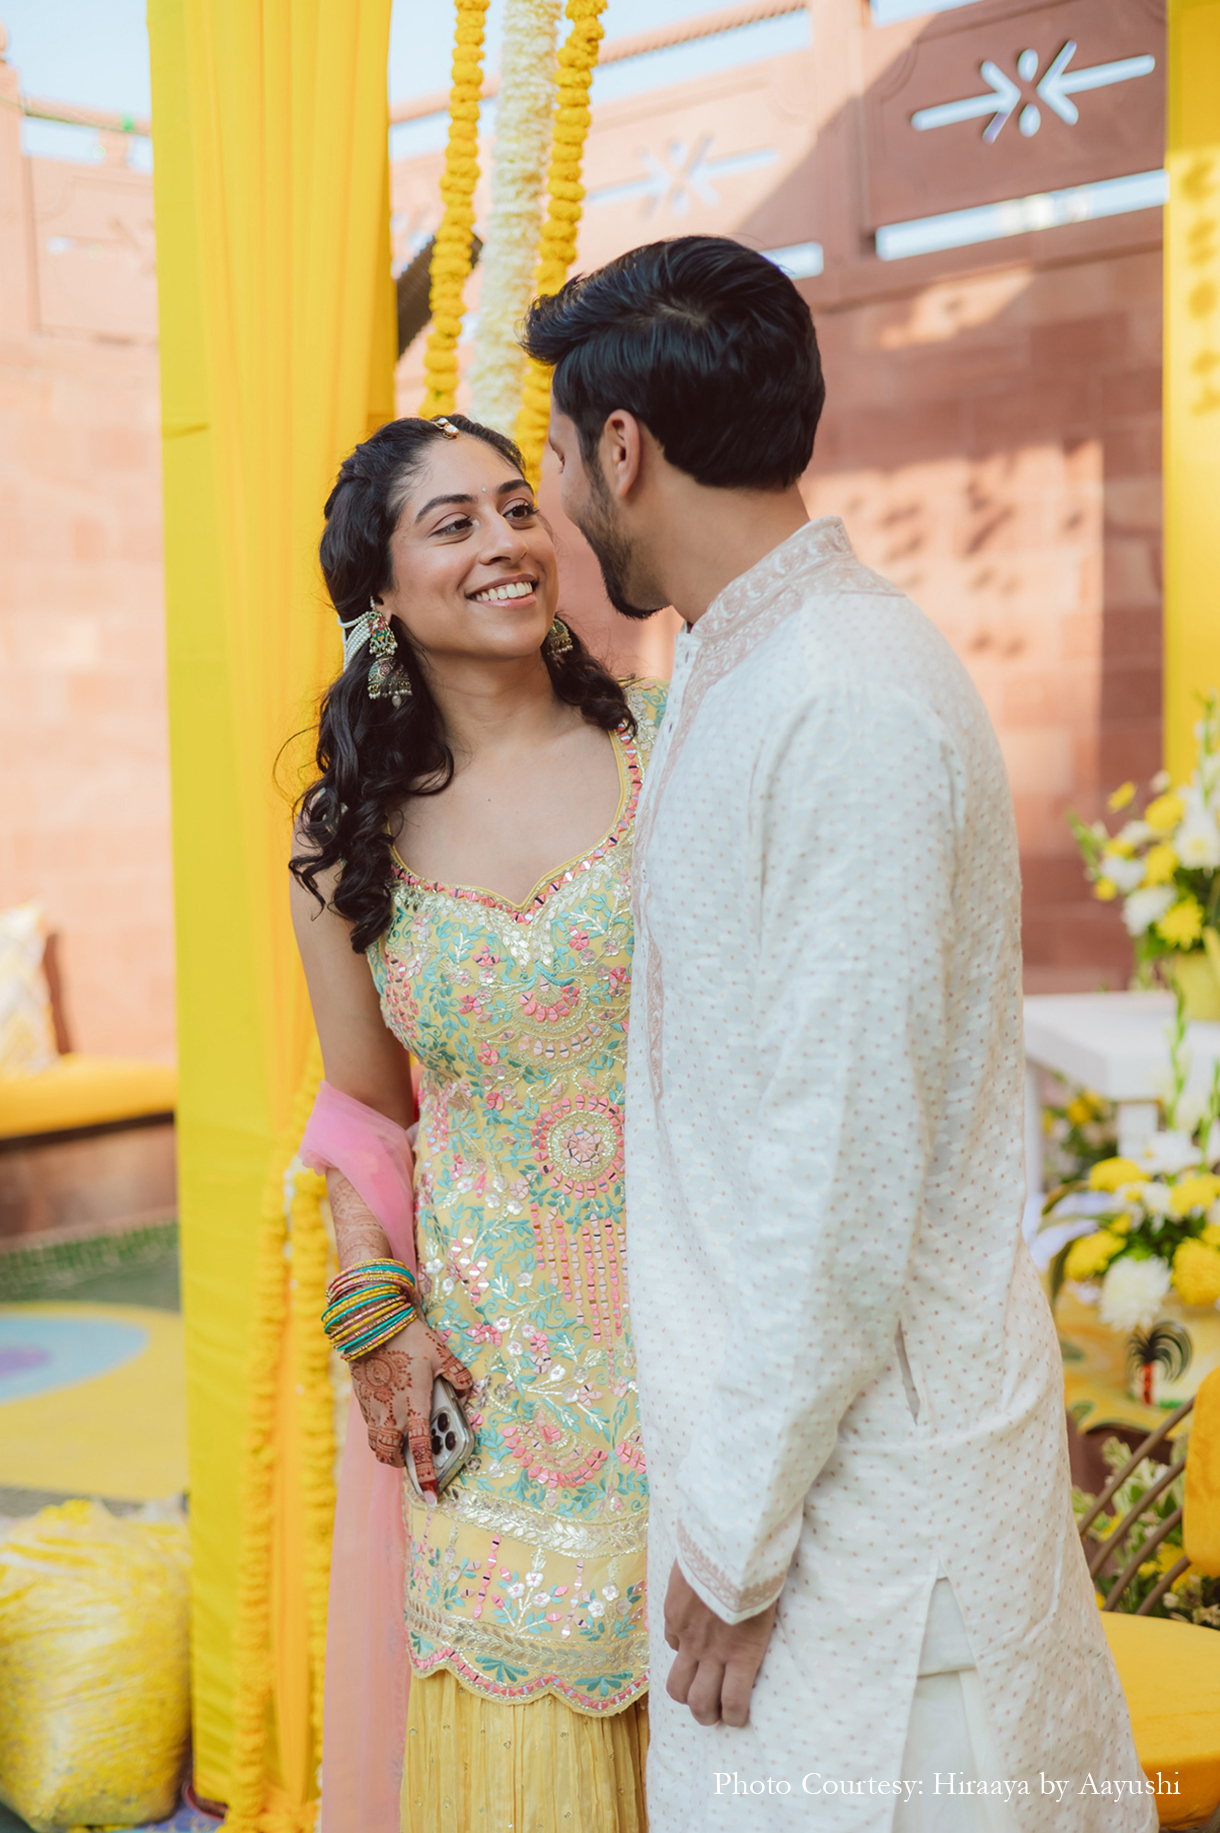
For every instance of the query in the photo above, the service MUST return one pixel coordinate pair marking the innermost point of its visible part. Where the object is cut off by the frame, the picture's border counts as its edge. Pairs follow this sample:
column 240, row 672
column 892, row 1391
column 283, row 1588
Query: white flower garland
column 524, row 113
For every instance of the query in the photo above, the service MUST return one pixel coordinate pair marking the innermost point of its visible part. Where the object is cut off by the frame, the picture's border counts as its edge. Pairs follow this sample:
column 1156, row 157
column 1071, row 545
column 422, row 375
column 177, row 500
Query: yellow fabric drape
column 1192, row 374
column 276, row 303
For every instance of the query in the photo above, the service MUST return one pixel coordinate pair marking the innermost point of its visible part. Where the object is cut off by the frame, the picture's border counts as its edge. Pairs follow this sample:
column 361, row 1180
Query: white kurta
column 824, row 1148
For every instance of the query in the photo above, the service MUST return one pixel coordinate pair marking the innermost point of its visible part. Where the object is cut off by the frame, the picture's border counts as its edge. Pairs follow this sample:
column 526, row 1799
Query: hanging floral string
column 557, row 249
column 252, row 1670
column 523, row 137
column 451, row 254
column 310, row 1272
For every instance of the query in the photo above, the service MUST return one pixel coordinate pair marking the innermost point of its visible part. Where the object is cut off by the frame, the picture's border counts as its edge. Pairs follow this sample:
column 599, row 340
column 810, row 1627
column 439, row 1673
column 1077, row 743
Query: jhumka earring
column 388, row 679
column 558, row 638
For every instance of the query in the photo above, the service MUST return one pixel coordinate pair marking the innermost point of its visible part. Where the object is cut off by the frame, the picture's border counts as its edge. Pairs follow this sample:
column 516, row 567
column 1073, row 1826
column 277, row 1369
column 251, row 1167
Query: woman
column 470, row 744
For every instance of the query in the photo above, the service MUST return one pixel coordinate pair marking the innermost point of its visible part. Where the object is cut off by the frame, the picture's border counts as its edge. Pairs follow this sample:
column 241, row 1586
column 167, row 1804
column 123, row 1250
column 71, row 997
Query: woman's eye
column 456, row 527
column 521, row 511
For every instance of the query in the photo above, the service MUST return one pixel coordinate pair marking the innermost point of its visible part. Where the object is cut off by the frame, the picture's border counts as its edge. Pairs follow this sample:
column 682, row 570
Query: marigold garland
column 557, row 248
column 310, row 1272
column 253, row 1680
column 523, row 137
column 451, row 254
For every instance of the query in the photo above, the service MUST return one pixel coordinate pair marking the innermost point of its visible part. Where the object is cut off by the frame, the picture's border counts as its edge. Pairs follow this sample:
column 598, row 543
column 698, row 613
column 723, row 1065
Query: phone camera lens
column 450, row 1441
column 442, row 1422
column 437, row 1447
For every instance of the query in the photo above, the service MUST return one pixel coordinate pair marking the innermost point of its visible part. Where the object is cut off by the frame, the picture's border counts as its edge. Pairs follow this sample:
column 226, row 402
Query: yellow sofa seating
column 84, row 1091
column 1171, row 1677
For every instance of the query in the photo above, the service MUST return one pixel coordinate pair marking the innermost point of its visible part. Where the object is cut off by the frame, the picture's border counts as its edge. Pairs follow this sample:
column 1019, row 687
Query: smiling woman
column 470, row 836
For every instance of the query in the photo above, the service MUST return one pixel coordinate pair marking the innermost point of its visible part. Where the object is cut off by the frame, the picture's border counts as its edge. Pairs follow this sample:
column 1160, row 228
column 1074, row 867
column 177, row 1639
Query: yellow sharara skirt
column 475, row 1766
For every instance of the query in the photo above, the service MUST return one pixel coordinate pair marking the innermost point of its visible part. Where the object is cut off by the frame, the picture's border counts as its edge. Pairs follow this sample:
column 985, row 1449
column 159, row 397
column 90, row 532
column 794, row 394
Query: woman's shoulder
column 647, row 702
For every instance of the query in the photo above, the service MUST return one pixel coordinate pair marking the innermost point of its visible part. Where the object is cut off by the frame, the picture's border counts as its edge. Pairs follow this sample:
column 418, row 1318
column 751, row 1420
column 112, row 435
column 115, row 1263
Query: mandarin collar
column 813, row 545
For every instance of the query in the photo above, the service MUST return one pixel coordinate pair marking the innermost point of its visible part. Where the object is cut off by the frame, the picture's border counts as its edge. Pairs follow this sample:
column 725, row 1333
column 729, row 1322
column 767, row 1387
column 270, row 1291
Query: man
column 850, row 1386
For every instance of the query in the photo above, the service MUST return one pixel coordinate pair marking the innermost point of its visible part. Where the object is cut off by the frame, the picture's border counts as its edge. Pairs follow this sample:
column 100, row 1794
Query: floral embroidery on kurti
column 529, row 1576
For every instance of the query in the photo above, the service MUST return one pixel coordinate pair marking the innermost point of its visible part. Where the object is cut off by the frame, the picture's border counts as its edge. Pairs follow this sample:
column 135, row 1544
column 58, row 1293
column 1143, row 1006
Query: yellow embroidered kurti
column 528, row 1578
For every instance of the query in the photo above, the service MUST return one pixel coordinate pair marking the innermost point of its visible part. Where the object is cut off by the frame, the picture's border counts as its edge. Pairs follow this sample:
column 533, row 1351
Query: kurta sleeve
column 857, row 802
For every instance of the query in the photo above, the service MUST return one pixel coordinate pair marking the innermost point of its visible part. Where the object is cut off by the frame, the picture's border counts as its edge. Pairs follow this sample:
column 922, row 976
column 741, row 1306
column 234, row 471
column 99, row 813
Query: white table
column 1117, row 1044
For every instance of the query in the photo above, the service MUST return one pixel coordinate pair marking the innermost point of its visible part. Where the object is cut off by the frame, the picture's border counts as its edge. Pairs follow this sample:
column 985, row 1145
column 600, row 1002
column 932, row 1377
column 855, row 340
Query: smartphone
column 453, row 1442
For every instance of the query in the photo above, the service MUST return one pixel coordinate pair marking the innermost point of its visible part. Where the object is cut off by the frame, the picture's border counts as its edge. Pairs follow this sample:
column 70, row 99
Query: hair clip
column 447, row 427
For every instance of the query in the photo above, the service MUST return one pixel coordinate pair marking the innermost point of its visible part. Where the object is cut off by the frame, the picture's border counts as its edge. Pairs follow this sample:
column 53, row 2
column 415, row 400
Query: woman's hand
column 393, row 1387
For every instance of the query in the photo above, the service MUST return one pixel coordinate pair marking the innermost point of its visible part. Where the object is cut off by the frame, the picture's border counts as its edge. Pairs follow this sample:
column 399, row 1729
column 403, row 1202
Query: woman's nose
column 504, row 540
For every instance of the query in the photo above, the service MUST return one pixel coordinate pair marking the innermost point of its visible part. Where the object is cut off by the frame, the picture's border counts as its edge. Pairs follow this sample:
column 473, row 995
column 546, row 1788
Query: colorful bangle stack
column 367, row 1305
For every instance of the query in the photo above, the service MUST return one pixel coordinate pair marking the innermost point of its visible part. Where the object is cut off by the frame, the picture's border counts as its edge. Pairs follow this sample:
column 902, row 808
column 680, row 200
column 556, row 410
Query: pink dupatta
column 367, row 1668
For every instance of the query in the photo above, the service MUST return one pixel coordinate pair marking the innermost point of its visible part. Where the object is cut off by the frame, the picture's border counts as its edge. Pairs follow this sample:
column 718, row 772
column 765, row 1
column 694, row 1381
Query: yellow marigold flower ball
column 1182, row 924
column 1196, row 1273
column 1113, row 1173
column 1105, row 890
column 1194, row 1192
column 1080, row 1111
column 1164, row 814
column 1091, row 1255
column 1118, row 848
column 1124, row 794
column 1160, row 864
column 1211, row 1234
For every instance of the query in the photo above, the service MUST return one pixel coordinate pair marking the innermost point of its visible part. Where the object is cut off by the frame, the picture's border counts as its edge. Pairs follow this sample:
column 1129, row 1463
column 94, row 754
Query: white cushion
column 27, row 1030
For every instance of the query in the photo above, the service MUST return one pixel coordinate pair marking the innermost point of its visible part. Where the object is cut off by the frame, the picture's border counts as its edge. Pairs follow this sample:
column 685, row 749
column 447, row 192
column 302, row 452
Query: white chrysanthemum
column 1124, row 873
column 1168, row 1153
column 1132, row 1292
column 1157, row 1198
column 1136, row 832
column 1197, row 841
column 1160, row 782
column 1144, row 907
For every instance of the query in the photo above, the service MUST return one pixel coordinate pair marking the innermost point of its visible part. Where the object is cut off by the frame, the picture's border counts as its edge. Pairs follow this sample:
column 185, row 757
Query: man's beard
column 612, row 550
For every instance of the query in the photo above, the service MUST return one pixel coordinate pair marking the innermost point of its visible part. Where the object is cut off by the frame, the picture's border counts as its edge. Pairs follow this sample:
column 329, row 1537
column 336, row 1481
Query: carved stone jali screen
column 1007, row 100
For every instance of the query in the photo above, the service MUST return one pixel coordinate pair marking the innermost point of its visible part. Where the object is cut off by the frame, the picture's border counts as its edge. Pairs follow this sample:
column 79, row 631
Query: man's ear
column 621, row 452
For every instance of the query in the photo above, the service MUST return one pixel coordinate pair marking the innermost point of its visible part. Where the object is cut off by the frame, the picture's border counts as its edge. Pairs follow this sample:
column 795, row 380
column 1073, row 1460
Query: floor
column 92, row 1392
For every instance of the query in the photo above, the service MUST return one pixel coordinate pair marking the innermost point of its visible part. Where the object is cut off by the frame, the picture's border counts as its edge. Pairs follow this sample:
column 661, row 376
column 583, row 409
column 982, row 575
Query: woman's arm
column 363, row 1059
column 361, row 1056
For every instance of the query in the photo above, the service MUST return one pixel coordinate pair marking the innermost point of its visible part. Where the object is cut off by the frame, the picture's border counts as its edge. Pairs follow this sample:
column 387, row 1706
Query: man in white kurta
column 849, row 1378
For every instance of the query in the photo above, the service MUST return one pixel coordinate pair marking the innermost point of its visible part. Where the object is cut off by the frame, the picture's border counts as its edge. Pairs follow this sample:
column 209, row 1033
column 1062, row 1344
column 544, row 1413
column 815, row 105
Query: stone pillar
column 16, row 315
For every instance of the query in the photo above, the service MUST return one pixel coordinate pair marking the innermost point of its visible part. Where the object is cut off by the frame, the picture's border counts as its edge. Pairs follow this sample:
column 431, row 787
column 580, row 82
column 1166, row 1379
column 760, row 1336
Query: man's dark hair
column 706, row 342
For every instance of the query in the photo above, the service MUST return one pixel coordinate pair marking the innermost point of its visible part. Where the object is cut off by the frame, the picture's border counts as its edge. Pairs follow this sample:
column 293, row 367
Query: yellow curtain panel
column 1192, row 374
column 277, row 327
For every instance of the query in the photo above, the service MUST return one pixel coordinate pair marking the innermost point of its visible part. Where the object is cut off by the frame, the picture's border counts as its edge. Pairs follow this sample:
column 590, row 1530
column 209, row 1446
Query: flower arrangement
column 1080, row 1130
column 1165, row 862
column 523, row 138
column 557, row 249
column 451, row 254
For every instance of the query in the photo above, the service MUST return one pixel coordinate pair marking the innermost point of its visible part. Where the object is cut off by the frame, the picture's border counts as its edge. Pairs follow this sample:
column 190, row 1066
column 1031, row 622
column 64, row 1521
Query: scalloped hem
column 537, row 1687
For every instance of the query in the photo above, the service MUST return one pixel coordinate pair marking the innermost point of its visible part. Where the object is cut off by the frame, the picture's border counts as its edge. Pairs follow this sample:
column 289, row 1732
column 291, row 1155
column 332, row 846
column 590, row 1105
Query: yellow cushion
column 1201, row 1518
column 1171, row 1677
column 83, row 1091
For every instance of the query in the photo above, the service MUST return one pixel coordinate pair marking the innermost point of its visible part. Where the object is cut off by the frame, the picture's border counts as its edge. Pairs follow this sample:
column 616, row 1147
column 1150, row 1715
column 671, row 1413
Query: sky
column 96, row 52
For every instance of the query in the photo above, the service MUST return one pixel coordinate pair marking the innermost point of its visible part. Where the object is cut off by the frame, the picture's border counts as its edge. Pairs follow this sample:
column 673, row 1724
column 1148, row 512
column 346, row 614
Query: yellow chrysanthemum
column 1091, row 1255
column 1105, row 889
column 1118, row 848
column 1124, row 794
column 1196, row 1273
column 1160, row 864
column 1211, row 1234
column 1195, row 1192
column 1182, row 924
column 1164, row 814
column 1113, row 1173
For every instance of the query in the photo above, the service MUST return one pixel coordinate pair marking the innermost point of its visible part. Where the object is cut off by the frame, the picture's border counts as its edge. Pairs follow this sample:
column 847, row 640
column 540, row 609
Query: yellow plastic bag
column 94, row 1712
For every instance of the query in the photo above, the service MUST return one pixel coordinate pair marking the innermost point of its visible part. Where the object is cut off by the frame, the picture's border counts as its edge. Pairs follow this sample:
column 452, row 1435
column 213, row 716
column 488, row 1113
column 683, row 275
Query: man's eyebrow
column 436, row 502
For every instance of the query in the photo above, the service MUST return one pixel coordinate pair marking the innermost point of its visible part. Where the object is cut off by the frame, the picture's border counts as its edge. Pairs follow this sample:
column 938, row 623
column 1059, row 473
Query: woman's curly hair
column 372, row 754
